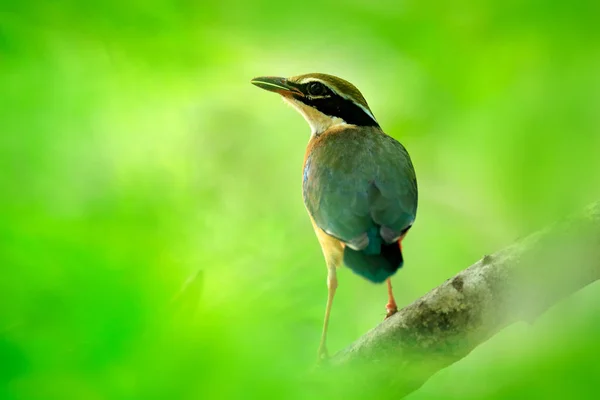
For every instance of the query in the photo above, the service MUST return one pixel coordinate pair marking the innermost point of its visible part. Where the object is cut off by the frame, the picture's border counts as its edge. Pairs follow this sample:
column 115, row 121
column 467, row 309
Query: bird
column 358, row 183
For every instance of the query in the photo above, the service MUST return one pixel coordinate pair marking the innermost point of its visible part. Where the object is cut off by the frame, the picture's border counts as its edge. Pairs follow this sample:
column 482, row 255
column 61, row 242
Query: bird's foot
column 321, row 362
column 322, row 358
column 391, row 309
column 322, row 355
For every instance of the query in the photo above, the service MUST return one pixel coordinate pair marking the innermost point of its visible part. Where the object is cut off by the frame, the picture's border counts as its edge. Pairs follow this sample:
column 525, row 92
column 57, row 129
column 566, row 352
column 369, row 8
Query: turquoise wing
column 353, row 185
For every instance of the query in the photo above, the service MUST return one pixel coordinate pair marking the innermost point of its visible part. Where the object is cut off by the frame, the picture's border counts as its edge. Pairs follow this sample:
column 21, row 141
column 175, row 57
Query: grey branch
column 514, row 284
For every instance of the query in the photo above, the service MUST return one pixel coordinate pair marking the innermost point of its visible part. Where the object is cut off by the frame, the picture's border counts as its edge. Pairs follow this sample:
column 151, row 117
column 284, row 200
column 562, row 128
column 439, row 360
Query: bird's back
column 359, row 186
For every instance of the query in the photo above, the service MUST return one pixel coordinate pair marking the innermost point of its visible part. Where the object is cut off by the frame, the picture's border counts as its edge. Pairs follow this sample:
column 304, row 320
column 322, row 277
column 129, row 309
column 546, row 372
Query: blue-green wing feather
column 356, row 181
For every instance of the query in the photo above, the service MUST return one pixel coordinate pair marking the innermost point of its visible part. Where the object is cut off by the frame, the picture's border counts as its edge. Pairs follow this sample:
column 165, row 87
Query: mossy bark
column 514, row 284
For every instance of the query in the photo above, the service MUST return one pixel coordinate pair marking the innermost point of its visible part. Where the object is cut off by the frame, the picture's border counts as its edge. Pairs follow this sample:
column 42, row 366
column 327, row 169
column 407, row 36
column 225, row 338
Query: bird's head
column 323, row 100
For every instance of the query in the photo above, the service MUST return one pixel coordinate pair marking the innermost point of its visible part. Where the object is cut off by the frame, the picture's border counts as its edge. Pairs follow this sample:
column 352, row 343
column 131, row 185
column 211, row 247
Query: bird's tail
column 375, row 266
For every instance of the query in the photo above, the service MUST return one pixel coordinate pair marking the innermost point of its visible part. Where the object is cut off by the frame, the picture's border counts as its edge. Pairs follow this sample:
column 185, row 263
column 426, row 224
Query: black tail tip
column 375, row 267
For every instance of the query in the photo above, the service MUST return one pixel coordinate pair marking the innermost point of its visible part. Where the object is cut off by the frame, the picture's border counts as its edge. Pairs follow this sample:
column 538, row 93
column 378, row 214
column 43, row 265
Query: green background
column 134, row 153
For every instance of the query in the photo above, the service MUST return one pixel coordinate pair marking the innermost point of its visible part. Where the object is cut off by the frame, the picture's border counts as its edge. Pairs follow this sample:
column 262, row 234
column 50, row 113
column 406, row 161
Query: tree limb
column 517, row 283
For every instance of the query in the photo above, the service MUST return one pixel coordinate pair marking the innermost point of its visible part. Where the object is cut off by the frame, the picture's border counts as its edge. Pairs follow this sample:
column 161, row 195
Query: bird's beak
column 277, row 85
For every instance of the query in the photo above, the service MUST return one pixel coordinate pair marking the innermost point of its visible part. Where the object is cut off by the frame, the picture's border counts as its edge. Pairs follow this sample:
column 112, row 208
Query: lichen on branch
column 514, row 284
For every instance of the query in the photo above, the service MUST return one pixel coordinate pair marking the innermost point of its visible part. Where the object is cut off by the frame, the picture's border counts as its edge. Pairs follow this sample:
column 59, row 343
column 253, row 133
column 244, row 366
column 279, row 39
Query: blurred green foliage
column 135, row 153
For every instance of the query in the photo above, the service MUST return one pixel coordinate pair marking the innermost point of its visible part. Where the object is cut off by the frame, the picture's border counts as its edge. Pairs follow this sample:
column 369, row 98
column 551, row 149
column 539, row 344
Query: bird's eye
column 316, row 89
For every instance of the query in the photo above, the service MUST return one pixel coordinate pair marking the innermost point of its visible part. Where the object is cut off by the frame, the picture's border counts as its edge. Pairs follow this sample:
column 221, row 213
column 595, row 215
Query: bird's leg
column 331, row 287
column 391, row 306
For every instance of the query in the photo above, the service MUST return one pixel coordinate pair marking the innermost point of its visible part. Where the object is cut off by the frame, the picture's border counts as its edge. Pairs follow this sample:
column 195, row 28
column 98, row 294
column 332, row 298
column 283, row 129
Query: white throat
column 318, row 121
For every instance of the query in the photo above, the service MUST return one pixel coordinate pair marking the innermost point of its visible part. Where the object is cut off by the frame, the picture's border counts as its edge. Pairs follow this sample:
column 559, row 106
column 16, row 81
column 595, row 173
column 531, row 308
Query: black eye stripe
column 316, row 89
column 336, row 106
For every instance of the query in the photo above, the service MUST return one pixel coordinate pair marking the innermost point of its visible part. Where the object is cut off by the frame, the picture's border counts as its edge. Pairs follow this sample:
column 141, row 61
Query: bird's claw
column 322, row 357
column 391, row 310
